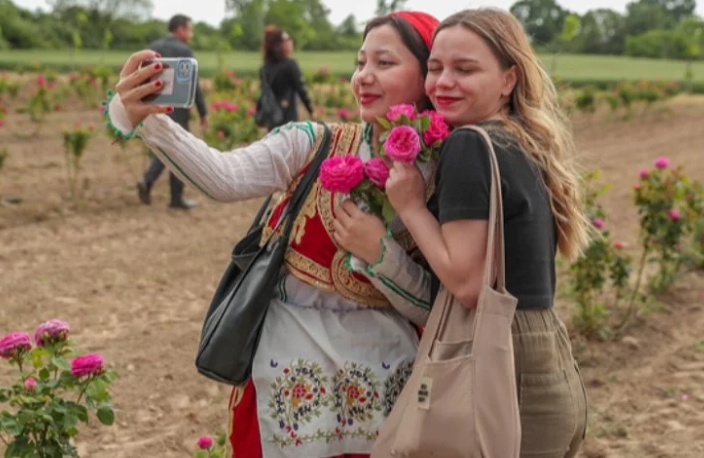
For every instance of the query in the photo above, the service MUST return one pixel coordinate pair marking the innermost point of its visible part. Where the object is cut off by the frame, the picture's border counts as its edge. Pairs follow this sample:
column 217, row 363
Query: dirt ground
column 133, row 282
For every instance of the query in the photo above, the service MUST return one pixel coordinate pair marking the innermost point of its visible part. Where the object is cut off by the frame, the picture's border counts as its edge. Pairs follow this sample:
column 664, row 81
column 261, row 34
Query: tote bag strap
column 494, row 257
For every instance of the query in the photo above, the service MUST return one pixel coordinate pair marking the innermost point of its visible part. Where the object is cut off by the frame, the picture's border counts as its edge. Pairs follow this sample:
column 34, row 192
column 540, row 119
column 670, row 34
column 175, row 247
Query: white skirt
column 327, row 372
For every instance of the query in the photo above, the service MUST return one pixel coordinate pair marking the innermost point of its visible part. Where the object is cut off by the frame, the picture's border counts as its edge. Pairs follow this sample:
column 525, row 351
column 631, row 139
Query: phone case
column 180, row 78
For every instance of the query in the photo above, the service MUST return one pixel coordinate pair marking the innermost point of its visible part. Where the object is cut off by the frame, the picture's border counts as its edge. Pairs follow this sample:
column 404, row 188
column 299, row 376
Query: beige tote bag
column 461, row 399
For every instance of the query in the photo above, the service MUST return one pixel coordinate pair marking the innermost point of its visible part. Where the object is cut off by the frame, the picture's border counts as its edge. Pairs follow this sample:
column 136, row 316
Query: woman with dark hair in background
column 281, row 72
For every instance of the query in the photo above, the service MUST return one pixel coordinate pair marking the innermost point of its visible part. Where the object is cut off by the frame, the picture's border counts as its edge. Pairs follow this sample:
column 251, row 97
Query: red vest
column 313, row 256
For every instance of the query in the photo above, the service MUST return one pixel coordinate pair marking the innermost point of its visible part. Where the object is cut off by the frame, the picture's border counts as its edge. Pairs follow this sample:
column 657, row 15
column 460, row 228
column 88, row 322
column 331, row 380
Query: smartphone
column 180, row 79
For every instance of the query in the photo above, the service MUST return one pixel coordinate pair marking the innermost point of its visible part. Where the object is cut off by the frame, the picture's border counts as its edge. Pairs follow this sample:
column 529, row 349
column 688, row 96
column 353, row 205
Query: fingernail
column 169, row 109
column 157, row 55
column 158, row 83
column 157, row 66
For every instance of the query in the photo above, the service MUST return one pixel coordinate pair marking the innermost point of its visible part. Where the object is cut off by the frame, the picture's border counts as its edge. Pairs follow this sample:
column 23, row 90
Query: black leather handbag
column 233, row 324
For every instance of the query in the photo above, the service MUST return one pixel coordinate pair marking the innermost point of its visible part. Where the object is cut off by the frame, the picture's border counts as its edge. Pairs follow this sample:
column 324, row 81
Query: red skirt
column 244, row 437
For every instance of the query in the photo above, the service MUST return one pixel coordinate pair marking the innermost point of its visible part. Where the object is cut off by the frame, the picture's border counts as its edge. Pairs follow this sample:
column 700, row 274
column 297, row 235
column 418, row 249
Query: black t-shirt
column 463, row 181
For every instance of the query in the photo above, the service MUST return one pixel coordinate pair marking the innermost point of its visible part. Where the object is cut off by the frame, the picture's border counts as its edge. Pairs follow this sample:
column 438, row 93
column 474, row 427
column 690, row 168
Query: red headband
column 424, row 24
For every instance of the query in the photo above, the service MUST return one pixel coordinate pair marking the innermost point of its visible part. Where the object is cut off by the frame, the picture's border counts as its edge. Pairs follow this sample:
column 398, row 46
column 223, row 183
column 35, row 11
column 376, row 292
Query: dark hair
column 273, row 44
column 411, row 39
column 177, row 21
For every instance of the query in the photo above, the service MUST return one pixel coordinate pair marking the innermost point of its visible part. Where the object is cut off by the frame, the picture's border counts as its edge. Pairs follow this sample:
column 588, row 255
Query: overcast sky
column 212, row 11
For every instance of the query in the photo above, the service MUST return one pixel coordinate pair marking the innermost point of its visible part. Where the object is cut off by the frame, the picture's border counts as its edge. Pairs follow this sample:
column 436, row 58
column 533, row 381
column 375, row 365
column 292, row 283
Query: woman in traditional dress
column 339, row 338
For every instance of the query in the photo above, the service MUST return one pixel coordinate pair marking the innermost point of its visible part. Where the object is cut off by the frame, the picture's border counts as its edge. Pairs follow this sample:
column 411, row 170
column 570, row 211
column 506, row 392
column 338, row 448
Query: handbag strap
column 303, row 188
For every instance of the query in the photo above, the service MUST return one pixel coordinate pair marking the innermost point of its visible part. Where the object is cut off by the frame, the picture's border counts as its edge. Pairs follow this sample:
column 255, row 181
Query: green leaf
column 424, row 123
column 12, row 451
column 37, row 356
column 405, row 120
column 202, row 454
column 70, row 421
column 106, row 416
column 12, row 428
column 387, row 211
column 79, row 411
column 44, row 374
column 365, row 185
column 425, row 155
column 61, row 363
column 24, row 417
column 385, row 123
column 97, row 390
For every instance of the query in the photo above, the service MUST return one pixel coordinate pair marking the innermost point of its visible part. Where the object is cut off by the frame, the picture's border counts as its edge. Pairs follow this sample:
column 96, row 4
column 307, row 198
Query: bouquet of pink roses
column 409, row 137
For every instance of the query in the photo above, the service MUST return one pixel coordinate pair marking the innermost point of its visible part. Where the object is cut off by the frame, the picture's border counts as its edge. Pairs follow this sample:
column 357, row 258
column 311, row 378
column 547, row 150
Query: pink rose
column 619, row 245
column 377, row 171
column 91, row 364
column 251, row 111
column 644, row 173
column 395, row 112
column 14, row 343
column 50, row 332
column 41, row 81
column 205, row 442
column 438, row 129
column 402, row 144
column 30, row 383
column 341, row 173
column 662, row 162
column 598, row 223
column 674, row 214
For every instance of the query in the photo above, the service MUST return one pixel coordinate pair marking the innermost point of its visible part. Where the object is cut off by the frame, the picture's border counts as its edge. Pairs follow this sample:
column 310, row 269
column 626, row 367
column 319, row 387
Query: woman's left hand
column 358, row 232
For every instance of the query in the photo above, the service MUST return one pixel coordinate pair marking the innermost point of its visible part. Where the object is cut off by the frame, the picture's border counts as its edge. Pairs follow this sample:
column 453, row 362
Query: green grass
column 568, row 67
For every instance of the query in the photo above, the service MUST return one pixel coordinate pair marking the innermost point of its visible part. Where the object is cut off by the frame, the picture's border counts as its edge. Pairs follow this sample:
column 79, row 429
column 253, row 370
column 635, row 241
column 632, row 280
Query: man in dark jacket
column 174, row 45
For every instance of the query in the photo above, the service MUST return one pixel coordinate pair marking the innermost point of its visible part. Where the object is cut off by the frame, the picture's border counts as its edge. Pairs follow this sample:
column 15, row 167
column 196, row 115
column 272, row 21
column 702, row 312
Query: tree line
column 648, row 28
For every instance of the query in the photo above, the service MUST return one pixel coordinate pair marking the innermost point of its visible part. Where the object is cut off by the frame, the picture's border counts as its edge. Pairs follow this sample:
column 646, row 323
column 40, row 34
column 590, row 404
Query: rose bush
column 54, row 390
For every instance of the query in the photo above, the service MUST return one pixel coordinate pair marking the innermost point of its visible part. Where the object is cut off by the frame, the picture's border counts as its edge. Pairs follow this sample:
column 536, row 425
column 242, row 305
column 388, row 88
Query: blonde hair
column 535, row 119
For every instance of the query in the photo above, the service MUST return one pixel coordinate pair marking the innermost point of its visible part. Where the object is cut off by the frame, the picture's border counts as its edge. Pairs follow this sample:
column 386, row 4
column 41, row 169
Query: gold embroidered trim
column 307, row 213
column 351, row 288
column 327, row 287
column 303, row 265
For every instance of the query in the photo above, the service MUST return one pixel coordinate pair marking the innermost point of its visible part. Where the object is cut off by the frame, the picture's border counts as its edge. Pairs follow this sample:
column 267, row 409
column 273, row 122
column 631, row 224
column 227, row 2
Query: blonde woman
column 482, row 70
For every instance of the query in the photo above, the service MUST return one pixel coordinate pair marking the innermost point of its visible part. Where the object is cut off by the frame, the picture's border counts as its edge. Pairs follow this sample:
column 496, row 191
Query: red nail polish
column 157, row 66
column 158, row 83
column 169, row 109
column 157, row 55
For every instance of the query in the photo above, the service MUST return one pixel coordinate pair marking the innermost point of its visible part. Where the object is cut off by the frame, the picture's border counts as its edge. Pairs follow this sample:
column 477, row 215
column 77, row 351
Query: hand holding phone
column 179, row 77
